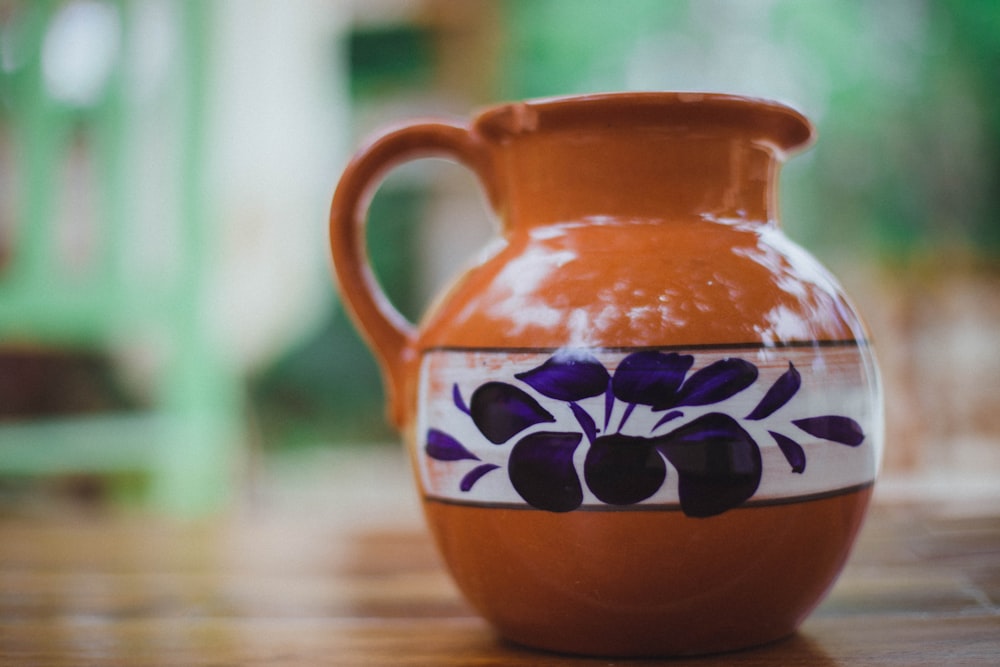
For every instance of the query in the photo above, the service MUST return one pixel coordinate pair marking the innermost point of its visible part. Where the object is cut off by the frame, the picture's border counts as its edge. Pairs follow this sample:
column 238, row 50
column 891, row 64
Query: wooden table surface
column 301, row 585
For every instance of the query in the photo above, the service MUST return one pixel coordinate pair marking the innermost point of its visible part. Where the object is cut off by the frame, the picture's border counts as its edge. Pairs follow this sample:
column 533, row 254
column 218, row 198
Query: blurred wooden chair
column 74, row 272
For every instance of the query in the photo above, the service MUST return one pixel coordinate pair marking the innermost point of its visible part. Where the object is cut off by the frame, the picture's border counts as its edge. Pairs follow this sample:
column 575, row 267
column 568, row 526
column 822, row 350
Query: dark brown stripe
column 659, row 507
column 672, row 348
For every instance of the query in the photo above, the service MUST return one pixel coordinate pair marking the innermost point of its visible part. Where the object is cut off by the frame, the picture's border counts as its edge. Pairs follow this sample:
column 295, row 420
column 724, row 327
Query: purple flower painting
column 717, row 462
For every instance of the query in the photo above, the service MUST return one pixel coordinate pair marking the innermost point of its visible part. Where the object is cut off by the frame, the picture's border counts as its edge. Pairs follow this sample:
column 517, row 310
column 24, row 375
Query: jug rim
column 763, row 119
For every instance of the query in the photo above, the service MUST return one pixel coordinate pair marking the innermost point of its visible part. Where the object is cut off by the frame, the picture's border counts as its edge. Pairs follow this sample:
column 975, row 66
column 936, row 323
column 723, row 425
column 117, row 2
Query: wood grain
column 923, row 588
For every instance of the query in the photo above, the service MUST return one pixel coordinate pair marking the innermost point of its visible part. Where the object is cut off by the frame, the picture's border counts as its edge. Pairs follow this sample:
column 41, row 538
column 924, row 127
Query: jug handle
column 390, row 335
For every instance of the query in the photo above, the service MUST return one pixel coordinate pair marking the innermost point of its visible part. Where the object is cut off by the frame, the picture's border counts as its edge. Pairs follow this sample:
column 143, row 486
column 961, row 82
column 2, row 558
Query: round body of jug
column 648, row 423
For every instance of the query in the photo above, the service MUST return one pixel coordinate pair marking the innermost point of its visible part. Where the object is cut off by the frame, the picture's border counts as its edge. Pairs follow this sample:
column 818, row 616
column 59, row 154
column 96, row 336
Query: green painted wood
column 186, row 444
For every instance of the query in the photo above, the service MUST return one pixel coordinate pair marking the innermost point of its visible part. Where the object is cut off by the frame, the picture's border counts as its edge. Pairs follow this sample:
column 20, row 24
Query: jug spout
column 641, row 156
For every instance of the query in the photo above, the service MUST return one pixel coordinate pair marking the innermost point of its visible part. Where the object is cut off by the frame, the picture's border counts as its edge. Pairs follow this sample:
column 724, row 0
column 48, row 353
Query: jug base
column 647, row 583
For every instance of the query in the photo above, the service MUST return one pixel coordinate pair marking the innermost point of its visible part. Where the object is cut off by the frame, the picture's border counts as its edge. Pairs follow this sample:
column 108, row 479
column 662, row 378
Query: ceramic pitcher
column 647, row 423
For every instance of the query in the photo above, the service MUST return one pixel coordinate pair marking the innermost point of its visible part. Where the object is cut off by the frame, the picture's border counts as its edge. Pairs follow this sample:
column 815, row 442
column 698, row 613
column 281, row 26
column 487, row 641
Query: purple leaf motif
column 844, row 430
column 651, row 378
column 717, row 382
column 442, row 447
column 568, row 375
column 628, row 411
column 718, row 464
column 670, row 416
column 780, row 393
column 622, row 469
column 542, row 472
column 456, row 397
column 501, row 411
column 585, row 420
column 609, row 405
column 794, row 454
column 475, row 474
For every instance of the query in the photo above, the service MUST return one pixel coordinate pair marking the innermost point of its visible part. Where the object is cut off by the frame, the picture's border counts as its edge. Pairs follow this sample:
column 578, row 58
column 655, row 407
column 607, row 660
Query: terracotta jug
column 647, row 423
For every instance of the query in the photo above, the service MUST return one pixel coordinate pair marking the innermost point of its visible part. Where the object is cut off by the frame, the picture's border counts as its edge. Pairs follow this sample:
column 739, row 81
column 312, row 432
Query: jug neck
column 641, row 157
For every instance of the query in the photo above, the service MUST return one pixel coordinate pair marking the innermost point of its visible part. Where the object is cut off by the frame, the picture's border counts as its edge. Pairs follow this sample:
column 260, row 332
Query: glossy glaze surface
column 617, row 283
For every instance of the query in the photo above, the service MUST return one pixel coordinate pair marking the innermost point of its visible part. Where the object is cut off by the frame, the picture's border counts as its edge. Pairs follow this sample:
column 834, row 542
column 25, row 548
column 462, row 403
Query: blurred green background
column 167, row 320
